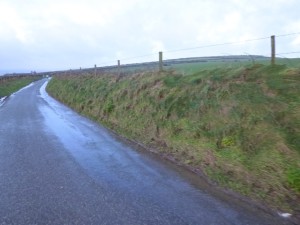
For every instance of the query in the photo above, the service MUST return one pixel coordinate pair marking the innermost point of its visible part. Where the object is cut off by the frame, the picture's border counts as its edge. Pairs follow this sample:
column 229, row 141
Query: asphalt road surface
column 57, row 167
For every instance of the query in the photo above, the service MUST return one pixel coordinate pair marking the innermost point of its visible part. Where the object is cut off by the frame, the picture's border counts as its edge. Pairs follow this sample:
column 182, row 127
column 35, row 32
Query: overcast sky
column 46, row 35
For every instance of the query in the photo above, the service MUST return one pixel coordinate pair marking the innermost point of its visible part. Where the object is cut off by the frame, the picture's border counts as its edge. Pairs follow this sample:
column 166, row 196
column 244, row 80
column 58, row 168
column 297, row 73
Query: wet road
column 57, row 167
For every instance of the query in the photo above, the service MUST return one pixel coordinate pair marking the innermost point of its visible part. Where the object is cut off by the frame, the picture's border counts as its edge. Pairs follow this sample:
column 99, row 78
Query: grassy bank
column 13, row 84
column 240, row 126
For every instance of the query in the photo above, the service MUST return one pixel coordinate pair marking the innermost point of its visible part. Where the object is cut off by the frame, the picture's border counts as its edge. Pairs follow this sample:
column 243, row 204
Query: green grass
column 294, row 178
column 239, row 124
column 14, row 84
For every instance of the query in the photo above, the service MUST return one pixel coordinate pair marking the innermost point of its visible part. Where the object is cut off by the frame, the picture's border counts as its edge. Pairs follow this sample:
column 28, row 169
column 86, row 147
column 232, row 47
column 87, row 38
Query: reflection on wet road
column 57, row 167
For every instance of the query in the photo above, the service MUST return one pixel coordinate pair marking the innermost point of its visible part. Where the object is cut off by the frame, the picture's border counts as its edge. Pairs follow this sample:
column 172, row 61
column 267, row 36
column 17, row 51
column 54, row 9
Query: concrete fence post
column 273, row 50
column 160, row 61
column 95, row 70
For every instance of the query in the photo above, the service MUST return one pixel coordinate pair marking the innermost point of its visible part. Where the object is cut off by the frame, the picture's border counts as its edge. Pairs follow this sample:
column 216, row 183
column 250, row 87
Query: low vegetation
column 240, row 126
column 13, row 84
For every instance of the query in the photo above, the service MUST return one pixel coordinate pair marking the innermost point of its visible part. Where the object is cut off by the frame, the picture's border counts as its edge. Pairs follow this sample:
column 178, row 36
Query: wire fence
column 241, row 51
column 247, row 47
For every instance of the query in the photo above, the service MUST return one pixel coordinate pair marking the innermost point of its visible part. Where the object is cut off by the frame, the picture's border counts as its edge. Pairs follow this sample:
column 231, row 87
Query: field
column 190, row 68
column 238, row 124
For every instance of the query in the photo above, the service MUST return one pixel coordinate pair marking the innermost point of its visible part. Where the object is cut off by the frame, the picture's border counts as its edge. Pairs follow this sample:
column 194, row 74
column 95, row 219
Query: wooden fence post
column 273, row 50
column 160, row 61
column 119, row 67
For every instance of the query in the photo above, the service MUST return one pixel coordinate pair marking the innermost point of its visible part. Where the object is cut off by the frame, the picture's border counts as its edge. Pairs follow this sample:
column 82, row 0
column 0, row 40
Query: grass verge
column 240, row 126
column 13, row 84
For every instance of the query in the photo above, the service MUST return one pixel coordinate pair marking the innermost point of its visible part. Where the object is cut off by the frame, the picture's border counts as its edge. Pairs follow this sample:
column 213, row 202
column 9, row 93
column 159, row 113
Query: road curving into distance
column 57, row 167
